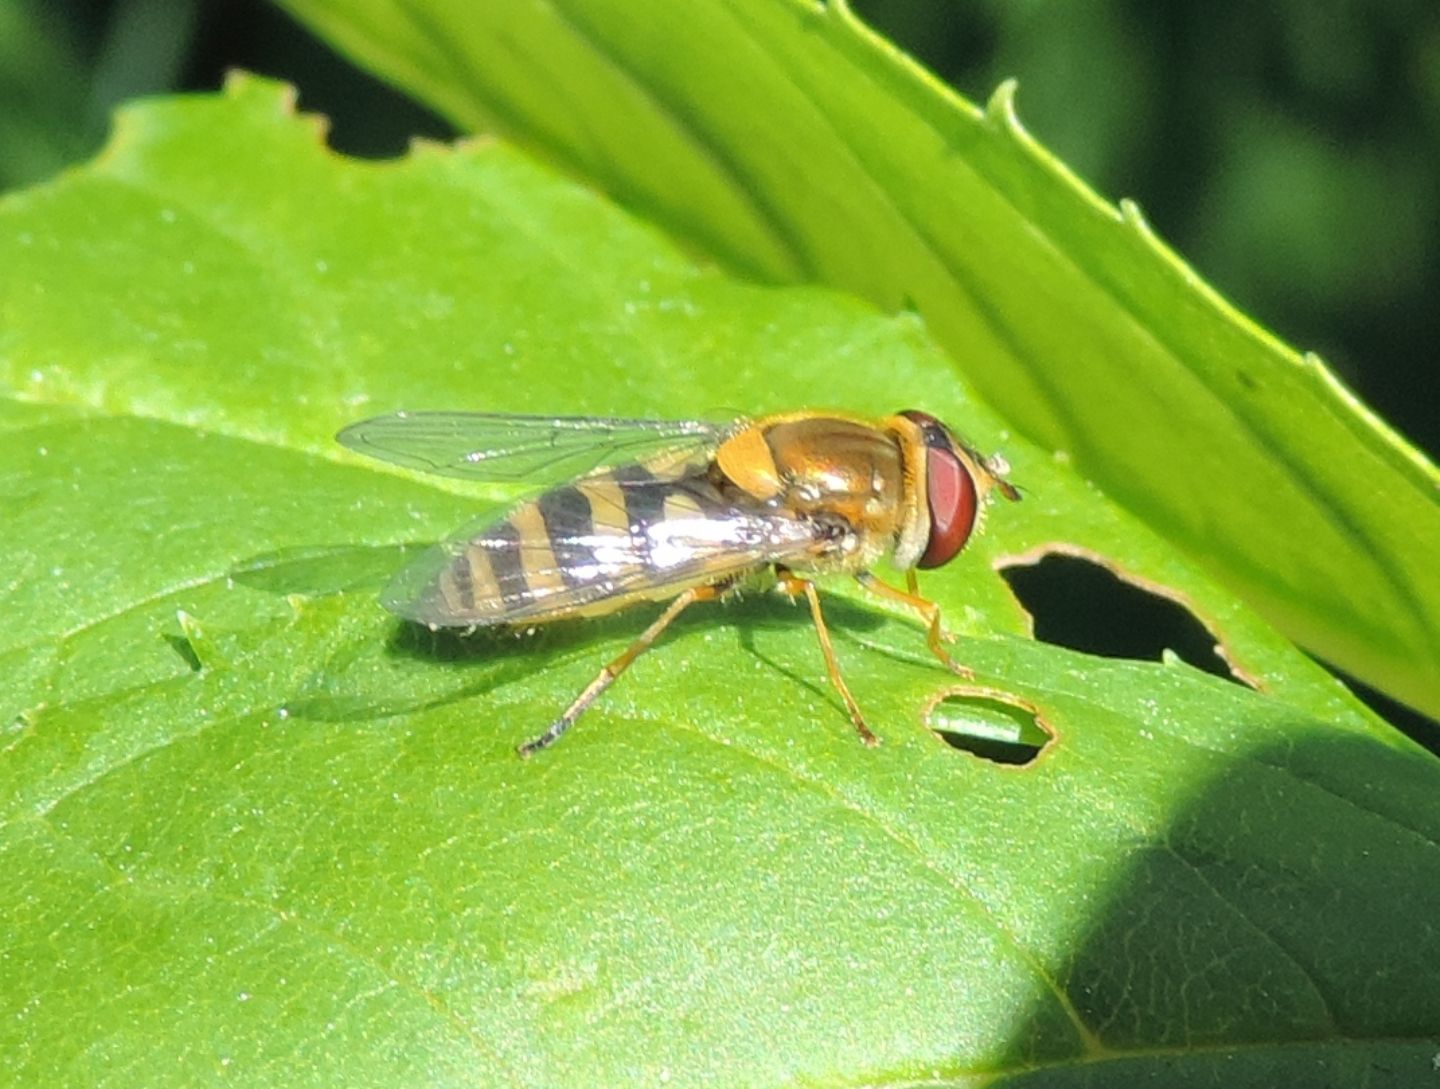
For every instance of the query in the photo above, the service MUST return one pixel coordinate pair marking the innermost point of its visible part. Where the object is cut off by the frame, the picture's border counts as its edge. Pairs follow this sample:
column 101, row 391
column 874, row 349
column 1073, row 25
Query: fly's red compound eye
column 949, row 493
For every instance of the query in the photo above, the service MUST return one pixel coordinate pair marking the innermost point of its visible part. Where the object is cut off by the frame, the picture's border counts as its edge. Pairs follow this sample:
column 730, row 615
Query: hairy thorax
column 843, row 475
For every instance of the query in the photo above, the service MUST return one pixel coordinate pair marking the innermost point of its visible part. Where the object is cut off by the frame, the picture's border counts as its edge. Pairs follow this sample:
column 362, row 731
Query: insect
column 682, row 511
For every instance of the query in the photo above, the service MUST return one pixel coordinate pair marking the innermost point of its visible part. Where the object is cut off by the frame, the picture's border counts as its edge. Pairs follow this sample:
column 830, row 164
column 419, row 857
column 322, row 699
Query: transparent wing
column 505, row 448
column 600, row 545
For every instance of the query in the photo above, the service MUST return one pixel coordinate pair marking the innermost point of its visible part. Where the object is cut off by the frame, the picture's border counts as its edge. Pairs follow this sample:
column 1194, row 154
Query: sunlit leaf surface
column 252, row 829
column 786, row 140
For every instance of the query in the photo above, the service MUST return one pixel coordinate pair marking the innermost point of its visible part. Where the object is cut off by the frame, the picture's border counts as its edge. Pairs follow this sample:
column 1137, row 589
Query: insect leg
column 606, row 677
column 795, row 586
column 935, row 635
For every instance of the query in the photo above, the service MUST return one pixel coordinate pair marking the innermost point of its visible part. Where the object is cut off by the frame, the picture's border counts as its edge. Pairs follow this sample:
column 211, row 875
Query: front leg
column 935, row 635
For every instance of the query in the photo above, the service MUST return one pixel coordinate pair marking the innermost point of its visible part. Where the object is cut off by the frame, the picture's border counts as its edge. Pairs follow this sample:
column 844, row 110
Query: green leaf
column 788, row 141
column 254, row 829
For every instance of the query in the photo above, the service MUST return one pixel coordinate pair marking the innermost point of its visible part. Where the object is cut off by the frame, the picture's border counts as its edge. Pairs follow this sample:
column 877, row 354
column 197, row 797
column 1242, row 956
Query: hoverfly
column 682, row 511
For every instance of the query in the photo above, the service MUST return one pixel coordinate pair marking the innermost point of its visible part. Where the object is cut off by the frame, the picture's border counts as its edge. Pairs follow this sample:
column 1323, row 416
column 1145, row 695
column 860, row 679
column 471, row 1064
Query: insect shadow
column 564, row 641
column 503, row 656
column 545, row 643
column 321, row 570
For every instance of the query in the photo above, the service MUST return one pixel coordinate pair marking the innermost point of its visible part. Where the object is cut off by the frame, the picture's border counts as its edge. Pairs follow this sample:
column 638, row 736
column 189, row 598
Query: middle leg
column 795, row 586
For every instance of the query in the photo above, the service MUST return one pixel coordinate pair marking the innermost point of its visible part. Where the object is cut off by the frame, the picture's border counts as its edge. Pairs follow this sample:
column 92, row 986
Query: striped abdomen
column 635, row 532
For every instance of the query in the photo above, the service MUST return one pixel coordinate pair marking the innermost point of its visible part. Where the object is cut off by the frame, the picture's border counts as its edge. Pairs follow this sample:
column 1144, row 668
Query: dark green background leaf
column 254, row 829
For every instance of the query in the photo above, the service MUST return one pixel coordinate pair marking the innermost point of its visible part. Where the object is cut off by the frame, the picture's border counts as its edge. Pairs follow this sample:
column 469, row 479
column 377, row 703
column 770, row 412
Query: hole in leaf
column 988, row 724
column 1080, row 602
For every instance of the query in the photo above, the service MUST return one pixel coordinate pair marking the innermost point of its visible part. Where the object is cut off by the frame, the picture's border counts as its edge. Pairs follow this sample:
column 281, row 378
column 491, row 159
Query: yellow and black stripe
column 584, row 548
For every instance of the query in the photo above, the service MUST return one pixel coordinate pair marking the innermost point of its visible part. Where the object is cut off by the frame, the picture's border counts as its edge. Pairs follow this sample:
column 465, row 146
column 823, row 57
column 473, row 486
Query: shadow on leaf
column 481, row 661
column 1279, row 930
